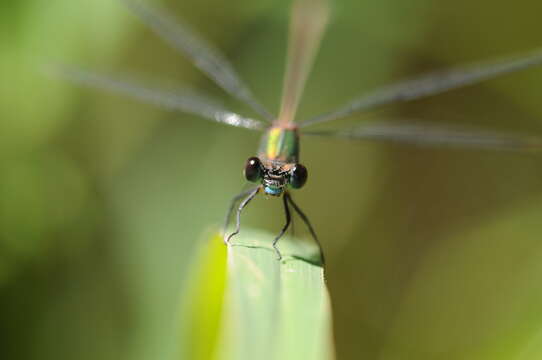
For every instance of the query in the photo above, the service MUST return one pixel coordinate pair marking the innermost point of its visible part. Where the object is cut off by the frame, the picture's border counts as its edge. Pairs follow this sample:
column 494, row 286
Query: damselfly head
column 275, row 177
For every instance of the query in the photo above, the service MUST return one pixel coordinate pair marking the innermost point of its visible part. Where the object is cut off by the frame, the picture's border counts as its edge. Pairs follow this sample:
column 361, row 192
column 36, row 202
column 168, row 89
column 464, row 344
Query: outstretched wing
column 203, row 56
column 431, row 84
column 308, row 21
column 423, row 134
column 188, row 103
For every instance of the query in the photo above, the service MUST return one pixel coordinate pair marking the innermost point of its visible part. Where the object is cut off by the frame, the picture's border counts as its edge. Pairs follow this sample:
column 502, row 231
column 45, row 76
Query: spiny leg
column 285, row 227
column 250, row 196
column 233, row 201
column 308, row 223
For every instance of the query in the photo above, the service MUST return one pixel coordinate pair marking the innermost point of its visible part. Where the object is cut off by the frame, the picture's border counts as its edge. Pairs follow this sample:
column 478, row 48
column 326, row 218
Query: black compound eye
column 253, row 169
column 299, row 176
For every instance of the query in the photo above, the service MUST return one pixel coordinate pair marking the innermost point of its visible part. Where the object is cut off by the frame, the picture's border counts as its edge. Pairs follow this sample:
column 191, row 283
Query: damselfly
column 276, row 169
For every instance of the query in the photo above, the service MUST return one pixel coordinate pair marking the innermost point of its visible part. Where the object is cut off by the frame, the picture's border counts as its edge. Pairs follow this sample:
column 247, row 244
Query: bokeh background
column 432, row 253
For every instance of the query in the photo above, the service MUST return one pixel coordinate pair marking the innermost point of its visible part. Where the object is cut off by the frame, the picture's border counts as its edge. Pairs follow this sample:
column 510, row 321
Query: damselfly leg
column 308, row 223
column 234, row 201
column 244, row 203
column 284, row 228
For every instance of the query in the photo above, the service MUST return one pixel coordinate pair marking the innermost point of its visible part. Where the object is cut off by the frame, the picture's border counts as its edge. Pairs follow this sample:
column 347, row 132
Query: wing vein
column 429, row 85
column 422, row 134
column 205, row 57
column 188, row 103
column 308, row 22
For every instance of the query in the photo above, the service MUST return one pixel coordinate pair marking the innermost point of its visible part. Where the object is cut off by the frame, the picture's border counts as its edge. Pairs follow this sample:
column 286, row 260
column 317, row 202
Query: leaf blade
column 272, row 309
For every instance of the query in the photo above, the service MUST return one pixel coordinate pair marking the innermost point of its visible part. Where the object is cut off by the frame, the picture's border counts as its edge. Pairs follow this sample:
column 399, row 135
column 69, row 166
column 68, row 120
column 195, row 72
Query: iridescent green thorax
column 280, row 146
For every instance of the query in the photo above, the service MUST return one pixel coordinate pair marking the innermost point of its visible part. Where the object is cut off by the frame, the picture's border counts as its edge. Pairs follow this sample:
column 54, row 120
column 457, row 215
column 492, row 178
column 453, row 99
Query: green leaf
column 269, row 309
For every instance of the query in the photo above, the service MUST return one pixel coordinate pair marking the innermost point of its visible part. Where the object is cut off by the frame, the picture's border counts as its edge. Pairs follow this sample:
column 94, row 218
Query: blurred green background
column 432, row 254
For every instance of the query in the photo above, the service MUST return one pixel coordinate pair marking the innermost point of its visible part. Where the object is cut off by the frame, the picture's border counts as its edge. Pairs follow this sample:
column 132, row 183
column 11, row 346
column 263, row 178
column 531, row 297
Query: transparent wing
column 423, row 134
column 188, row 103
column 203, row 56
column 431, row 84
column 307, row 25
